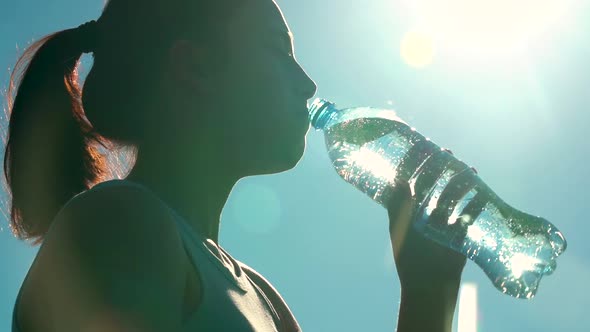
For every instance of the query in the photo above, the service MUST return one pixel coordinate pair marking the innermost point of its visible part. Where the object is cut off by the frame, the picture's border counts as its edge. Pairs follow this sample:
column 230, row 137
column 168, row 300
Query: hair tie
column 88, row 36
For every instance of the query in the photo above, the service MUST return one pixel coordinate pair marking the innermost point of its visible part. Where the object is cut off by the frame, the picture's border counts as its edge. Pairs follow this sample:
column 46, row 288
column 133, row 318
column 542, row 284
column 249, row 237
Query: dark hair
column 57, row 137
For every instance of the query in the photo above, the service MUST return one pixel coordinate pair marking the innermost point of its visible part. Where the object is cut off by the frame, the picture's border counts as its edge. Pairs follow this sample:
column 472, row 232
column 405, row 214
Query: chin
column 297, row 154
column 274, row 158
column 285, row 163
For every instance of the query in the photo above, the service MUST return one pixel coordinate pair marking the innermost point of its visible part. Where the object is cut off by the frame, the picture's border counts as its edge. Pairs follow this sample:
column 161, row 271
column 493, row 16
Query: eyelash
column 281, row 52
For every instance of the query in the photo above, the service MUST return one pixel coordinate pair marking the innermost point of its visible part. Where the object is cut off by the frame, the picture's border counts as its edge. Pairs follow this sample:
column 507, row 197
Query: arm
column 428, row 309
column 430, row 274
column 111, row 261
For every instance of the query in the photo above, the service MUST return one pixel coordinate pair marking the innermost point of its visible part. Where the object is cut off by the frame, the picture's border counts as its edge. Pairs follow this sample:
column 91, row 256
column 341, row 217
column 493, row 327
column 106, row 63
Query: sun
column 417, row 49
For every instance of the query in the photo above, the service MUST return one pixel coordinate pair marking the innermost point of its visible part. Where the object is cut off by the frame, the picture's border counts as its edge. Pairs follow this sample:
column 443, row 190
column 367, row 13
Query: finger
column 457, row 188
column 400, row 226
column 396, row 194
column 400, row 209
column 401, row 214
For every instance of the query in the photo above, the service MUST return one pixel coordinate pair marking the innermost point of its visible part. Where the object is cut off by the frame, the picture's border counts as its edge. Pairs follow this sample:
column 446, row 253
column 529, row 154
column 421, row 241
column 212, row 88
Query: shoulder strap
column 286, row 317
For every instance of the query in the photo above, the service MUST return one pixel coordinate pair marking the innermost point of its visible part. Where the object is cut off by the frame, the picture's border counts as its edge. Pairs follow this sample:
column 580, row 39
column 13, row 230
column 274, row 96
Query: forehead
column 258, row 16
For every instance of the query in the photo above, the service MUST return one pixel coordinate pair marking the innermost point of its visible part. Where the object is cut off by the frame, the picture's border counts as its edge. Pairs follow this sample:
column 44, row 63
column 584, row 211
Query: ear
column 187, row 64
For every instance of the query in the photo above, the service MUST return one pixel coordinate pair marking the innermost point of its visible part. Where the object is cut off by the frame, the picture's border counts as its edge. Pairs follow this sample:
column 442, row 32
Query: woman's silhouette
column 208, row 92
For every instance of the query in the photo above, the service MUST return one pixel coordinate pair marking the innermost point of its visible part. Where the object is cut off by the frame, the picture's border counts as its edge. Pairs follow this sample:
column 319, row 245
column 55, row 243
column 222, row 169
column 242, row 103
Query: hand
column 421, row 263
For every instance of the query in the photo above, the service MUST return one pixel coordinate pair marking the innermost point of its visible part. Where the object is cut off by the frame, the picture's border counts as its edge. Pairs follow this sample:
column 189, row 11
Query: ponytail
column 51, row 152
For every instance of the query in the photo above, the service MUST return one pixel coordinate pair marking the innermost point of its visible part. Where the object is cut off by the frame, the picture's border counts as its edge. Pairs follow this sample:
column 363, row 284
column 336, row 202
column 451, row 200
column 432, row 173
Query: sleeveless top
column 234, row 296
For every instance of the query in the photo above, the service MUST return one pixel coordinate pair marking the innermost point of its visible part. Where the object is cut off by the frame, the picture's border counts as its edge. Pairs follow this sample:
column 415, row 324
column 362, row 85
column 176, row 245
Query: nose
column 305, row 85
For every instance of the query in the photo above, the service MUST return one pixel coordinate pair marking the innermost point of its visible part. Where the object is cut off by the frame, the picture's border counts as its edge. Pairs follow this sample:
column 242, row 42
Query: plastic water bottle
column 374, row 150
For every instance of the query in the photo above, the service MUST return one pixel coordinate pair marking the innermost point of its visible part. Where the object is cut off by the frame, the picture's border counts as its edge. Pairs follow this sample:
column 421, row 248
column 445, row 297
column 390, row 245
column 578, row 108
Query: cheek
column 259, row 135
column 255, row 97
column 262, row 74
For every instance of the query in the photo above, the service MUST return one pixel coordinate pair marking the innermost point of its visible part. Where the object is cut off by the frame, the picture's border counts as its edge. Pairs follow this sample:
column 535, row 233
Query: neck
column 197, row 191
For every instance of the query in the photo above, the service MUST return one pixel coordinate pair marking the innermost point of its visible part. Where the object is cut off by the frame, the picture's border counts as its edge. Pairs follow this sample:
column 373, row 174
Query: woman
column 208, row 92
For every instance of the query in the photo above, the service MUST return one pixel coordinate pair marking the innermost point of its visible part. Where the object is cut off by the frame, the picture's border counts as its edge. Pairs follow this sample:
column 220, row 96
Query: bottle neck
column 320, row 111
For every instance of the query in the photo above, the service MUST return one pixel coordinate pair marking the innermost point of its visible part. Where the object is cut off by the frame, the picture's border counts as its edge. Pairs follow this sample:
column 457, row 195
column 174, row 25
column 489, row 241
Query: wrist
column 443, row 291
column 440, row 291
column 428, row 308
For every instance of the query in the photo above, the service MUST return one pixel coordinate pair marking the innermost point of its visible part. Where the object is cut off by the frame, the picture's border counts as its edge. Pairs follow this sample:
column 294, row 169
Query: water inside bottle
column 455, row 207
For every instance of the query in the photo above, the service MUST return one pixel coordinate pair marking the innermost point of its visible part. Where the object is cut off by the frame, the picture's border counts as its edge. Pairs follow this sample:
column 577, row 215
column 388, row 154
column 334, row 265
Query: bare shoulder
column 112, row 259
column 288, row 320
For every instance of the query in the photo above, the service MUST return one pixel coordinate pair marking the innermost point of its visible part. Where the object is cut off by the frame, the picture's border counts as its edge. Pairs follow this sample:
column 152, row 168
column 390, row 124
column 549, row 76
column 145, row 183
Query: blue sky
column 506, row 88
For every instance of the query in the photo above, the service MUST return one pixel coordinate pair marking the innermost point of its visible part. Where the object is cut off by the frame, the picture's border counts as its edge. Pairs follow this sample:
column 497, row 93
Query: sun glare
column 483, row 28
column 520, row 263
column 374, row 163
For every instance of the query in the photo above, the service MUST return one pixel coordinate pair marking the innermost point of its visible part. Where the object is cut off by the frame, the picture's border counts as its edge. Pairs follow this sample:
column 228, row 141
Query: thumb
column 397, row 199
column 401, row 214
